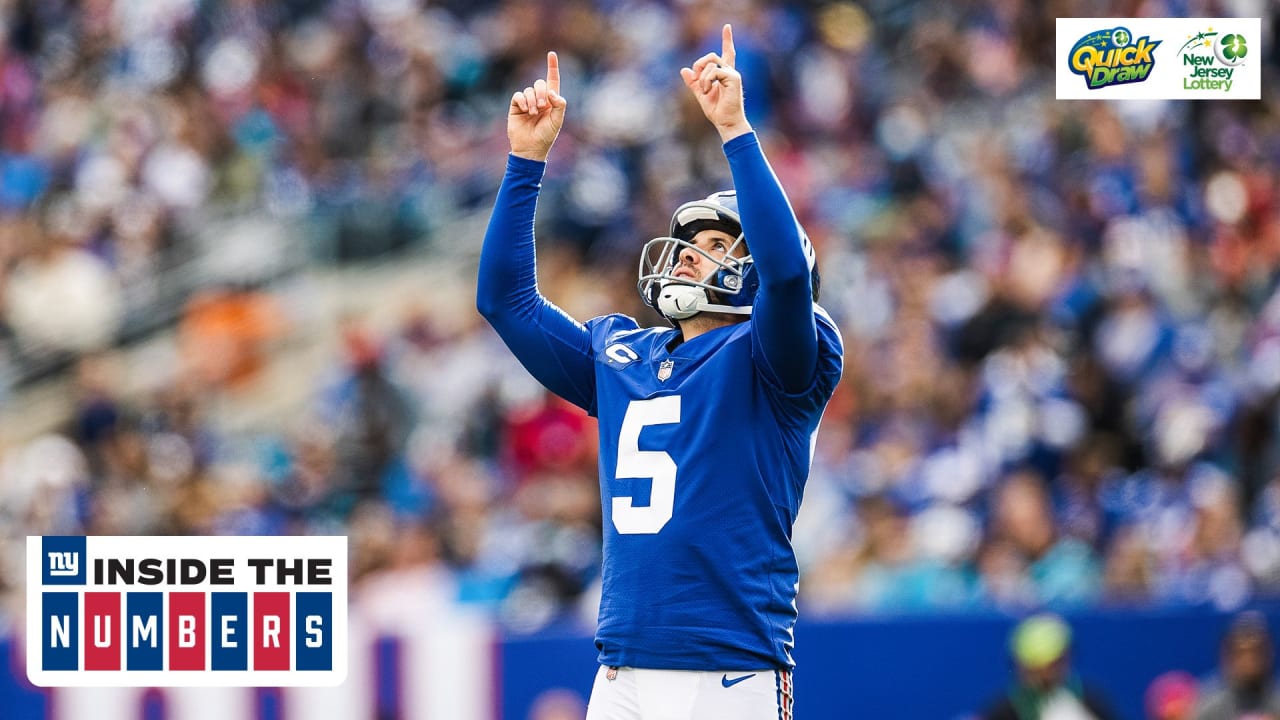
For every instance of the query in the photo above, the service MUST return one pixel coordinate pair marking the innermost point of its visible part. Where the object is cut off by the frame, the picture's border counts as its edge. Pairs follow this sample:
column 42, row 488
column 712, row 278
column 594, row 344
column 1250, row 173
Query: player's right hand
column 536, row 115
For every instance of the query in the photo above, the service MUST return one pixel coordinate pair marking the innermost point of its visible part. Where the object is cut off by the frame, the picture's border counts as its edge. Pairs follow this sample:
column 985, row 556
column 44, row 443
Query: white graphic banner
column 1159, row 58
column 186, row 611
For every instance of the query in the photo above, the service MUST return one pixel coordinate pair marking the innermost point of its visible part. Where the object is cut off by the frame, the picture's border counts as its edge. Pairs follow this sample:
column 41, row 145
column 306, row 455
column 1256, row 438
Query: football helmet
column 731, row 288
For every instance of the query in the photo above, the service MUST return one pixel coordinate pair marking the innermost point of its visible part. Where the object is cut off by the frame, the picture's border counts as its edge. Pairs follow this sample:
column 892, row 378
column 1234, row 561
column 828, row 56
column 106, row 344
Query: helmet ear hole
column 738, row 282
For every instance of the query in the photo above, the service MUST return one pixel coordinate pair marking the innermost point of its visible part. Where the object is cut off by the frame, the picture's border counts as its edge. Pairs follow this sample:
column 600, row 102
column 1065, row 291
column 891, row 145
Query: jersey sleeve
column 553, row 347
column 799, row 405
column 785, row 333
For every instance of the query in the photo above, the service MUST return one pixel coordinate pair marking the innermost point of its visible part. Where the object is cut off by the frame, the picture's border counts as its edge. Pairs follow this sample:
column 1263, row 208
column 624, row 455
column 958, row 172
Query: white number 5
column 636, row 463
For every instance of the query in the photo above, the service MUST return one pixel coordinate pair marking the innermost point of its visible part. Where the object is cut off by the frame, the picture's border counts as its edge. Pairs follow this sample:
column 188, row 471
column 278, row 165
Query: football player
column 706, row 428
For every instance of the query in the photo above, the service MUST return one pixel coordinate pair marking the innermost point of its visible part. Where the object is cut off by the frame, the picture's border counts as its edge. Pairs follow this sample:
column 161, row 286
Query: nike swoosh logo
column 725, row 681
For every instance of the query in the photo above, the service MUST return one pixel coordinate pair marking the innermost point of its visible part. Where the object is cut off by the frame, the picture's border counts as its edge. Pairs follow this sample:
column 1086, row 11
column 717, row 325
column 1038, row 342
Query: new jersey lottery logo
column 186, row 611
column 1159, row 58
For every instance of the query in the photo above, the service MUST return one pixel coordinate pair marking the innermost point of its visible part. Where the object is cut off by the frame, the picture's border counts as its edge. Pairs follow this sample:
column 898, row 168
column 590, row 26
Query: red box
column 186, row 631
column 102, row 631
column 271, row 631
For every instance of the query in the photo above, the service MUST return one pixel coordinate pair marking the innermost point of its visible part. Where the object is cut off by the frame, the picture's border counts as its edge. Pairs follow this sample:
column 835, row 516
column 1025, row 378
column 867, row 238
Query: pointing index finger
column 553, row 72
column 727, row 52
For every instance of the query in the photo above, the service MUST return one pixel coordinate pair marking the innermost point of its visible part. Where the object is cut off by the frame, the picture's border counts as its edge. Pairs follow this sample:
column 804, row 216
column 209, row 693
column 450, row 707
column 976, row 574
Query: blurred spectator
column 1058, row 569
column 306, row 488
column 558, row 704
column 60, row 297
column 369, row 415
column 1045, row 688
column 225, row 334
column 548, row 435
column 1246, row 689
column 1171, row 696
column 1127, row 576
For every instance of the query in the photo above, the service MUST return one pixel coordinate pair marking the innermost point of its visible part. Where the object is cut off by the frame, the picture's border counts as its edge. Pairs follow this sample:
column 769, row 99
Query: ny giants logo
column 188, row 611
column 63, row 564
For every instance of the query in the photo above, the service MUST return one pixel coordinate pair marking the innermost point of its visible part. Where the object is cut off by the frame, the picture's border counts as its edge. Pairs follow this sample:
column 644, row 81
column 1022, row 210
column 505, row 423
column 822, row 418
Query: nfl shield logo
column 664, row 370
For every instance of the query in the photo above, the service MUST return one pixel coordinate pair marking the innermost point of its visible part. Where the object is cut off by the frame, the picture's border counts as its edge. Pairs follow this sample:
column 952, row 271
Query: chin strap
column 681, row 302
column 730, row 309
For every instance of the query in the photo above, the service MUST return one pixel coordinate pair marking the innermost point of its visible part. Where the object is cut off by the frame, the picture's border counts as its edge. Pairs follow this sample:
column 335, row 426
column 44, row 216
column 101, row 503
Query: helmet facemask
column 728, row 288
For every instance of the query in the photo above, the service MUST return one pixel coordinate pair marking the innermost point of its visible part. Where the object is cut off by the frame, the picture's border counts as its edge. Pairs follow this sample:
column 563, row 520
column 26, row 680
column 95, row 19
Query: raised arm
column 783, row 315
column 555, row 348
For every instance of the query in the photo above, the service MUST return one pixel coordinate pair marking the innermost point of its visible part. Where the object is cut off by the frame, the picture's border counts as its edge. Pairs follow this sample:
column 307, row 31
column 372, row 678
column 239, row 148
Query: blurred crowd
column 1061, row 318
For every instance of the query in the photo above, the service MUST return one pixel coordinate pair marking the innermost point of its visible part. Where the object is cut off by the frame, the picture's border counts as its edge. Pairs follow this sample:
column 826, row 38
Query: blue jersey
column 702, row 466
column 705, row 445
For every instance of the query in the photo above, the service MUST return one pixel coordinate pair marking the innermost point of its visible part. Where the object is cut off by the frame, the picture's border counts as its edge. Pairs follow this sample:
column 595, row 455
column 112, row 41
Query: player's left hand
column 717, row 86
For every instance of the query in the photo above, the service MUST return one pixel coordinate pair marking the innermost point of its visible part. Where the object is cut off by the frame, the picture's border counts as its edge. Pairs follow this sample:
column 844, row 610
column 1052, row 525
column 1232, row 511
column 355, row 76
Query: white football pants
column 639, row 694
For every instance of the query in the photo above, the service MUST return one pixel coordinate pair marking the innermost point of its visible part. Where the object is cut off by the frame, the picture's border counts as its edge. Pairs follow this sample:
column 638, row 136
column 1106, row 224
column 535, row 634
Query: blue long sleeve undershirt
column 553, row 347
column 786, row 337
column 556, row 349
